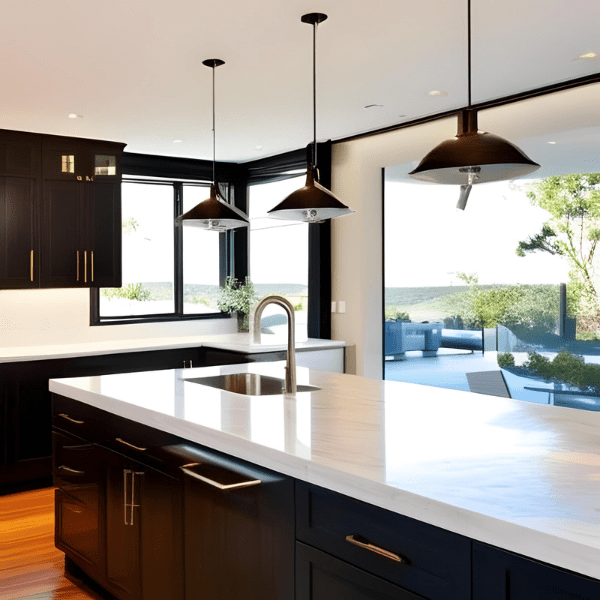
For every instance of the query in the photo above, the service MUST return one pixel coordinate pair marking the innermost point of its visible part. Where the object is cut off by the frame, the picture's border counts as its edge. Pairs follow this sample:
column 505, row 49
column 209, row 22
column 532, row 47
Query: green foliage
column 299, row 306
column 573, row 231
column 566, row 368
column 506, row 359
column 393, row 313
column 131, row 291
column 534, row 306
column 237, row 297
column 130, row 225
column 198, row 300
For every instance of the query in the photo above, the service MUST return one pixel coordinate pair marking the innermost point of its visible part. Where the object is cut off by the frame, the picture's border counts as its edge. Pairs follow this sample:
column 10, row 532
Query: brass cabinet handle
column 85, row 266
column 122, row 441
column 77, row 265
column 64, row 416
column 360, row 541
column 70, row 471
column 92, row 265
column 79, row 178
column 241, row 482
column 31, row 265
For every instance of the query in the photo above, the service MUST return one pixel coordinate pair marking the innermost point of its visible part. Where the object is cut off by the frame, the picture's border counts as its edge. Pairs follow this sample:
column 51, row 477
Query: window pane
column 279, row 255
column 200, row 260
column 148, row 225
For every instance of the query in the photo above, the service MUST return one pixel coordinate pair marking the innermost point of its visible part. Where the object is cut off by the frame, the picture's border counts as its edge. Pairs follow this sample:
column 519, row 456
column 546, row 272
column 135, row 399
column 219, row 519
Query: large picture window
column 154, row 286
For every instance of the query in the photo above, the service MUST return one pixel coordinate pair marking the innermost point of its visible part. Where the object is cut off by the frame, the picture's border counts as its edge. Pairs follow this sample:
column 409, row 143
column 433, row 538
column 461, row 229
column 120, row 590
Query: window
column 279, row 255
column 154, row 287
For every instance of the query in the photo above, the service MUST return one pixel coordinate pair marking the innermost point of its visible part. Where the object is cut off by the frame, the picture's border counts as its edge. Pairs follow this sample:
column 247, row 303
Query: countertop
column 234, row 342
column 524, row 477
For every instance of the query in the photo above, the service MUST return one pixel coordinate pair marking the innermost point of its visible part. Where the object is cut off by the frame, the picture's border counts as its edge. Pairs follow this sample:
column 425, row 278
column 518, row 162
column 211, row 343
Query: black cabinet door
column 239, row 543
column 62, row 234
column 501, row 575
column 320, row 576
column 19, row 251
column 143, row 532
column 103, row 235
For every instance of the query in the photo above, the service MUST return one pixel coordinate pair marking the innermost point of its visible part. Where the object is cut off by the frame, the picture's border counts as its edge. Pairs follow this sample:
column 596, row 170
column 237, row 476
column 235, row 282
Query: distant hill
column 164, row 290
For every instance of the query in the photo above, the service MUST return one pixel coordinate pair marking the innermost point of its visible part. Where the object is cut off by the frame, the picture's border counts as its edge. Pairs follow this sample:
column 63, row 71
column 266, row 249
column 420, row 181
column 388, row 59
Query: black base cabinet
column 502, row 575
column 25, row 406
column 149, row 516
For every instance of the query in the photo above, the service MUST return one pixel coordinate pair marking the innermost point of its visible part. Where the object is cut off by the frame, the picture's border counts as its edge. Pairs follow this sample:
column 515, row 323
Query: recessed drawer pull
column 70, row 471
column 73, row 509
column 68, row 418
column 359, row 540
column 229, row 479
column 121, row 441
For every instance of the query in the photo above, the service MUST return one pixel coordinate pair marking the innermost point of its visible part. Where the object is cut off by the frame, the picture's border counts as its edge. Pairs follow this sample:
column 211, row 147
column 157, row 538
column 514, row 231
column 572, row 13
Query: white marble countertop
column 520, row 476
column 236, row 342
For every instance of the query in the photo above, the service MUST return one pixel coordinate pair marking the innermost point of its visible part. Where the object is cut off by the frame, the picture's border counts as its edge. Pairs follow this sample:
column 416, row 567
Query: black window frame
column 234, row 179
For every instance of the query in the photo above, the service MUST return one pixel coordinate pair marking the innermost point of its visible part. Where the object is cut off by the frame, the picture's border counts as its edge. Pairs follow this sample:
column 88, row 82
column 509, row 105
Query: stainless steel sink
column 248, row 384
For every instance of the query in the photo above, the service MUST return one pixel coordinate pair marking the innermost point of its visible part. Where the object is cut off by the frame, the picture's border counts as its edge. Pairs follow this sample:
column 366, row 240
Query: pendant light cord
column 469, row 46
column 213, row 127
column 314, row 152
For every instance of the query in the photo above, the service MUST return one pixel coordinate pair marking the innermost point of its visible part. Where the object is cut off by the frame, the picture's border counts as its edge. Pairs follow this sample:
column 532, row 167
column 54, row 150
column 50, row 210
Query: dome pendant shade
column 312, row 203
column 213, row 214
column 495, row 158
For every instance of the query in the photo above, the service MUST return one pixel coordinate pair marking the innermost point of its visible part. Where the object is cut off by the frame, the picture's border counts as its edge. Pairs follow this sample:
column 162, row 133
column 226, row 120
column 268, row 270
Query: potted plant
column 240, row 298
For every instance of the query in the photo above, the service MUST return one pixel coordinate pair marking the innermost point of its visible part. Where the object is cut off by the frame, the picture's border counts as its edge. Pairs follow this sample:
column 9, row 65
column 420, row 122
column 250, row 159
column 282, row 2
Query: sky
column 428, row 240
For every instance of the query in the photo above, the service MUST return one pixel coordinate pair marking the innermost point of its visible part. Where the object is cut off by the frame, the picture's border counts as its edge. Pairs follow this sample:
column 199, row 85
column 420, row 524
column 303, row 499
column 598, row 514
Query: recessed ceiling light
column 374, row 106
column 437, row 93
column 552, row 142
column 258, row 147
column 177, row 141
column 74, row 116
column 588, row 55
column 401, row 116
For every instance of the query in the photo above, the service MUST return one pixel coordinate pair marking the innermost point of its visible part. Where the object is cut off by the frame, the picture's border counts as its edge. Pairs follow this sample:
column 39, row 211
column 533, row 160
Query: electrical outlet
column 341, row 306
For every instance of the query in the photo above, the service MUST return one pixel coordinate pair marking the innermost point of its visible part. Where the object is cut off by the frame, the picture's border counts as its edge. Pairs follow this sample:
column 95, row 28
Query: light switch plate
column 333, row 307
column 341, row 306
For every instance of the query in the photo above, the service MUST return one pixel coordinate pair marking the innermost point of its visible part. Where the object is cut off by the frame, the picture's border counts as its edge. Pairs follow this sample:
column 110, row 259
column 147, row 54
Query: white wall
column 357, row 180
column 47, row 317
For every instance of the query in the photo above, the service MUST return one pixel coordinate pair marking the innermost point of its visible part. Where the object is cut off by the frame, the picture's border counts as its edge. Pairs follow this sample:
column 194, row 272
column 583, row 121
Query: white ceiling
column 132, row 68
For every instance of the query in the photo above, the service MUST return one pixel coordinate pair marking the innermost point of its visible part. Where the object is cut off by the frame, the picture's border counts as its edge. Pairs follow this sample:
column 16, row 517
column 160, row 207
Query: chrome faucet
column 290, row 366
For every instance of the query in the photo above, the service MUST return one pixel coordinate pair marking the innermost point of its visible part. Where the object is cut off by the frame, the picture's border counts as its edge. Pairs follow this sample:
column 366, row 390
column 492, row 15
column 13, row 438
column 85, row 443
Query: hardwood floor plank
column 31, row 568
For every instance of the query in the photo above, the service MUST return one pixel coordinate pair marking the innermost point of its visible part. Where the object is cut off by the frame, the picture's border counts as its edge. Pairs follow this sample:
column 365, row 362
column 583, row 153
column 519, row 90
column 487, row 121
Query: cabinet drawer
column 320, row 576
column 73, row 463
column 81, row 420
column 420, row 557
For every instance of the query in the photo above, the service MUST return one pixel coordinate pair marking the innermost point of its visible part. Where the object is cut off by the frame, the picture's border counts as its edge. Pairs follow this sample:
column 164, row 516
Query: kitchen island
column 520, row 477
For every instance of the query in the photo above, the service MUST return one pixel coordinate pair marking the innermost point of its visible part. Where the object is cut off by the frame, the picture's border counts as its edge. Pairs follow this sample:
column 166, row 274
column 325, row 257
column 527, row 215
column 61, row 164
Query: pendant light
column 312, row 203
column 214, row 213
column 472, row 156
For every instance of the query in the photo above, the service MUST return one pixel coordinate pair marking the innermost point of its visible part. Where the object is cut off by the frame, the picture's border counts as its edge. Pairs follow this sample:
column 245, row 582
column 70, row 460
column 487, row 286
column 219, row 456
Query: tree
column 573, row 230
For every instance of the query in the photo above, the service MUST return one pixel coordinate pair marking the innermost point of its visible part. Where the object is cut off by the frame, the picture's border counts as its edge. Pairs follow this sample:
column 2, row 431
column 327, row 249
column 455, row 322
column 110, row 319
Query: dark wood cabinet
column 143, row 534
column 502, row 575
column 320, row 576
column 238, row 528
column 25, row 406
column 20, row 187
column 81, row 213
column 60, row 211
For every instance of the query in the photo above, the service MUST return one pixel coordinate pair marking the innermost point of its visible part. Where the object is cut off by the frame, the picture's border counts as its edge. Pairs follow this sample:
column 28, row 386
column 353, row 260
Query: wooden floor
column 30, row 566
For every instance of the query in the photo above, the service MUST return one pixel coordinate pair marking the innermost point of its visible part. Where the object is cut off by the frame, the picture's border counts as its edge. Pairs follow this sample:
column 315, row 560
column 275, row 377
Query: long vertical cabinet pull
column 92, row 265
column 77, row 265
column 85, row 266
column 31, row 265
column 131, row 504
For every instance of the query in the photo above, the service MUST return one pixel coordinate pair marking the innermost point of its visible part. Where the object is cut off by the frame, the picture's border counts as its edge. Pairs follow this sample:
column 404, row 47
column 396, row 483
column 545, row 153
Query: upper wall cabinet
column 72, row 207
column 20, row 191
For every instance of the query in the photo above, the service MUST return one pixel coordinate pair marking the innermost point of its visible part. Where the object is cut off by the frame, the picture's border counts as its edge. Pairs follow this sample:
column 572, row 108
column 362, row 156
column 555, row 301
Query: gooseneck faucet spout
column 290, row 367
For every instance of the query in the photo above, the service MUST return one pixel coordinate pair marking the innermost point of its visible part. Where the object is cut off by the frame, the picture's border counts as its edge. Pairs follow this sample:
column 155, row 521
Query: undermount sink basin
column 248, row 384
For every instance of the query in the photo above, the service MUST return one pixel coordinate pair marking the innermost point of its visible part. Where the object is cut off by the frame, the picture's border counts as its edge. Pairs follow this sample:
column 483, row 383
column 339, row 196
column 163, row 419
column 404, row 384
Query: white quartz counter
column 235, row 342
column 520, row 476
